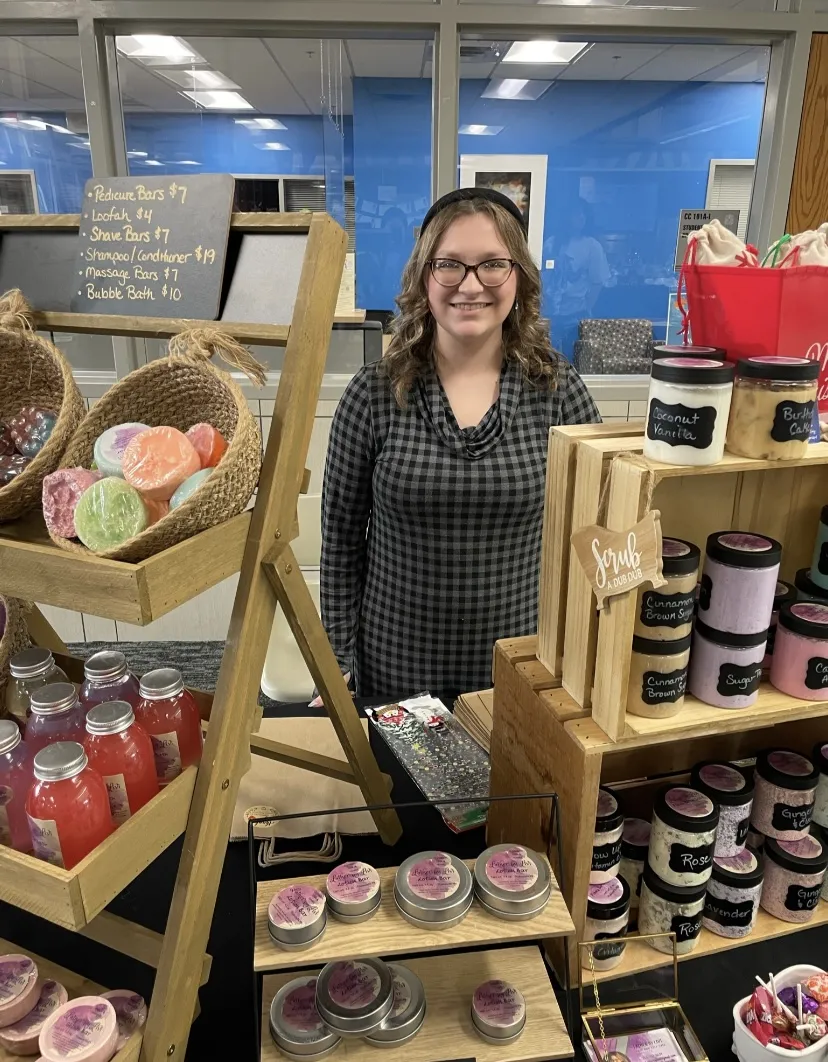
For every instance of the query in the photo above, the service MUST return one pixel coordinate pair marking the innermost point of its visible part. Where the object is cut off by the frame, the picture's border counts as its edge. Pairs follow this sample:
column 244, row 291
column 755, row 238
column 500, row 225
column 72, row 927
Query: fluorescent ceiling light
column 220, row 100
column 136, row 154
column 61, row 129
column 151, row 162
column 261, row 123
column 481, row 130
column 153, row 46
column 274, row 145
column 184, row 162
column 511, row 88
column 199, row 79
column 537, row 52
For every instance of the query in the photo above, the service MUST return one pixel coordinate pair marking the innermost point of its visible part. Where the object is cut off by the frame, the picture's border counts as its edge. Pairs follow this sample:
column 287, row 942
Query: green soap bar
column 109, row 513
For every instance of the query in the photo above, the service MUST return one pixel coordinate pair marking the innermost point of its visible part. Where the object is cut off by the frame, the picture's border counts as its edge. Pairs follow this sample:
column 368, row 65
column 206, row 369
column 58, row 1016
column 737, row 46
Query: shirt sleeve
column 346, row 511
column 599, row 271
column 577, row 405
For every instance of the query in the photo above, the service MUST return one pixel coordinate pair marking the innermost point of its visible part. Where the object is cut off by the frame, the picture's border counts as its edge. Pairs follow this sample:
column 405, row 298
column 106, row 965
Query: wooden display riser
column 72, row 898
column 449, row 981
column 76, row 986
column 387, row 933
column 539, row 745
column 639, row 956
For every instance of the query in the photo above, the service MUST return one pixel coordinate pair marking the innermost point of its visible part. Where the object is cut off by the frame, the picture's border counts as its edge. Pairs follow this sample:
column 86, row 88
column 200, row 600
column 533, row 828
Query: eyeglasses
column 450, row 273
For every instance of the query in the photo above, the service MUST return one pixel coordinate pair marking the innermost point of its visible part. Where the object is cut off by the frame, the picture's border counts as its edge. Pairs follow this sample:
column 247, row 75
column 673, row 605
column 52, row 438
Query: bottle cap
column 31, row 662
column 63, row 759
column 54, row 698
column 106, row 665
column 9, row 735
column 110, row 718
column 161, row 683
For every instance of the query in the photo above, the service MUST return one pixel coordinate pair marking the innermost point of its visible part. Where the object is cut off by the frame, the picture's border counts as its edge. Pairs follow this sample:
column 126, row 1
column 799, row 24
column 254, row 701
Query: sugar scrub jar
column 773, row 408
column 726, row 669
column 794, row 874
column 353, row 891
column 658, row 677
column 608, row 912
column 433, row 890
column 783, row 803
column 689, row 403
column 669, row 909
column 683, row 836
column 738, row 583
column 800, row 657
column 512, row 882
column 606, row 844
column 733, row 894
column 297, row 917
column 807, row 589
column 819, row 564
column 785, row 592
column 820, row 757
column 666, row 614
column 635, row 840
column 731, row 790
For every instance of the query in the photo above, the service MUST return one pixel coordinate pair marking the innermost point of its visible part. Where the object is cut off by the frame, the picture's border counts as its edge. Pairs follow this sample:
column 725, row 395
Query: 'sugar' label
column 680, row 425
column 739, row 680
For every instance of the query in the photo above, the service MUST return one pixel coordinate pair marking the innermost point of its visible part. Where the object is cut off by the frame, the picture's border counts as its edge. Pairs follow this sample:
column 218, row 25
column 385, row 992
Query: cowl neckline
column 471, row 443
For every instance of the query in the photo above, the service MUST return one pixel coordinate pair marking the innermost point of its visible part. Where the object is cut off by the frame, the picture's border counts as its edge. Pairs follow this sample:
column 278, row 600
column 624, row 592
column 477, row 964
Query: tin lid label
column 296, row 906
column 299, row 1012
column 498, row 1003
column 512, row 869
column 354, row 985
column 435, row 878
column 353, row 882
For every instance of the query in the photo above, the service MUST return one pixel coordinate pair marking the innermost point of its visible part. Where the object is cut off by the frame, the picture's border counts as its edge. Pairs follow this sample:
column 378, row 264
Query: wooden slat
column 296, row 757
column 38, row 887
column 114, row 324
column 809, row 192
column 129, row 938
column 817, row 455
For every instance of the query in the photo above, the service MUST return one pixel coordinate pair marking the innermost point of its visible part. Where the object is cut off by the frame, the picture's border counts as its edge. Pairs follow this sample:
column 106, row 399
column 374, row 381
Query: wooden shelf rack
column 257, row 545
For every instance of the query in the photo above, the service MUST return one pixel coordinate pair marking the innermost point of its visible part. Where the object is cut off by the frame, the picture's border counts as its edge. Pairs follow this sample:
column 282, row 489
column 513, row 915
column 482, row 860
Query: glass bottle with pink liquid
column 15, row 783
column 107, row 678
column 169, row 714
column 56, row 715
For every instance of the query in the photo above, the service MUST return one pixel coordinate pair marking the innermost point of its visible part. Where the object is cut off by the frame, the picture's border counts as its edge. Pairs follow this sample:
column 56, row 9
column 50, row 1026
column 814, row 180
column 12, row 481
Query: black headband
column 462, row 195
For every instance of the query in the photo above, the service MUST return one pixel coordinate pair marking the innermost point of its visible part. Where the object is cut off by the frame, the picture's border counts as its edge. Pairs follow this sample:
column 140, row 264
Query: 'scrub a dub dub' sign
column 618, row 561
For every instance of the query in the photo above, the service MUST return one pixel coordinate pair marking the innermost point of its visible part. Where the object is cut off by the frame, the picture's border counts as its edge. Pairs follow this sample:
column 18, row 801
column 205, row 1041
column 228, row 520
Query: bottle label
column 739, row 680
column 800, row 898
column 792, row 421
column 606, row 856
column 680, row 425
column 6, row 794
column 657, row 687
column 609, row 951
column 727, row 913
column 45, row 840
column 816, row 677
column 786, row 818
column 705, row 593
column 118, row 797
column 686, row 927
column 684, row 860
column 666, row 610
column 167, row 756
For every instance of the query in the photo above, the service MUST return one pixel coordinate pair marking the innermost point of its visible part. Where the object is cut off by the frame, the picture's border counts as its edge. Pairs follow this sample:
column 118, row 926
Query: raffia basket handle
column 201, row 344
column 15, row 312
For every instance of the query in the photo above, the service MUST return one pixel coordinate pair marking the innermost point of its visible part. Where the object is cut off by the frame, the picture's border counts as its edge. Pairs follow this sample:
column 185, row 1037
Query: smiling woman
column 434, row 485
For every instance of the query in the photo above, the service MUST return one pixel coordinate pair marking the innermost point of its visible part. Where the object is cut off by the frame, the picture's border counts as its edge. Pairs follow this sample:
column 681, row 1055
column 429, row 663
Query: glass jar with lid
column 56, row 716
column 688, row 407
column 29, row 670
column 772, row 410
column 107, row 678
column 169, row 714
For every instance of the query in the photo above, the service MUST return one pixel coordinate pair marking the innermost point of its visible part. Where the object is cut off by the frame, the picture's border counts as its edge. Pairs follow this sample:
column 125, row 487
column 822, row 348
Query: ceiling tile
column 611, row 62
column 683, row 62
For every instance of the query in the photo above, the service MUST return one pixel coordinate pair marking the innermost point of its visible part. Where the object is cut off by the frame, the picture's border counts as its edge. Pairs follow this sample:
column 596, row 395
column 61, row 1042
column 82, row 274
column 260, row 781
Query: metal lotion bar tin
column 512, row 882
column 354, row 996
column 407, row 1012
column 354, row 892
column 295, row 1024
column 433, row 890
column 498, row 1012
column 297, row 916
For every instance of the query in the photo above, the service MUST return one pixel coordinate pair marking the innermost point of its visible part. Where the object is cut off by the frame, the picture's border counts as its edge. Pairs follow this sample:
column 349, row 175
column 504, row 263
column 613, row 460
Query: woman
column 434, row 485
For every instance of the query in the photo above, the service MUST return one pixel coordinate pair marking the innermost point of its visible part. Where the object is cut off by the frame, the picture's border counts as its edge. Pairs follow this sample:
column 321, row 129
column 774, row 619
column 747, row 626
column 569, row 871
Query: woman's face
column 469, row 311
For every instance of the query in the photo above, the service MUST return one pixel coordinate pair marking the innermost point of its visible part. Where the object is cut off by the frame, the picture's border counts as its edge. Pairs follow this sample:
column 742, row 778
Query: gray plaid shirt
column 431, row 534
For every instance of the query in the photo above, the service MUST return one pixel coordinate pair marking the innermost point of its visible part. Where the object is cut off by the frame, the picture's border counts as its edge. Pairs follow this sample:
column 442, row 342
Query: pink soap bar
column 22, row 1038
column 7, row 442
column 10, row 466
column 158, row 461
column 61, row 493
column 155, row 510
column 19, row 990
column 83, row 1030
column 131, row 1012
column 209, row 443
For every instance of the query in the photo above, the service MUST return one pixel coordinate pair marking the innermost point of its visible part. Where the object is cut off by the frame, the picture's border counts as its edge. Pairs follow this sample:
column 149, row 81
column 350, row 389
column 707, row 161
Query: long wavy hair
column 526, row 339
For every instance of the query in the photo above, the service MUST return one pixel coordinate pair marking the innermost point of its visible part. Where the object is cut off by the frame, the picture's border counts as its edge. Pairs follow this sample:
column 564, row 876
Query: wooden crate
column 780, row 499
column 72, row 898
column 539, row 745
column 557, row 527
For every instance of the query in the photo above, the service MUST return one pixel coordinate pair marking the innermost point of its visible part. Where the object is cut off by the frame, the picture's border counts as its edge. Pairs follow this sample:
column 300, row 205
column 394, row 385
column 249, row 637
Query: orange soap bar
column 157, row 462
column 210, row 444
column 155, row 510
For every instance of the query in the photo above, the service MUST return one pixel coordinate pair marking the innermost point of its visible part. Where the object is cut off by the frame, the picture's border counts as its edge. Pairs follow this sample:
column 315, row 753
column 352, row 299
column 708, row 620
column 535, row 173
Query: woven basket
column 181, row 390
column 33, row 372
column 14, row 639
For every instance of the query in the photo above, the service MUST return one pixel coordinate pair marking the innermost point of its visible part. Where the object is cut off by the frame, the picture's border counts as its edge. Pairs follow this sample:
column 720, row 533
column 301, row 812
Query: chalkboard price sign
column 153, row 246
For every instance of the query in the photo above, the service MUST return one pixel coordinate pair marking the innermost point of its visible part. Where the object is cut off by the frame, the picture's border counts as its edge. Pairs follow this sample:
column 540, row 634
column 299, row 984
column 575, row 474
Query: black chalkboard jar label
column 687, row 928
column 658, row 687
column 609, row 951
column 788, row 818
column 680, row 425
column 792, row 421
column 606, row 856
column 728, row 913
column 666, row 610
column 739, row 680
column 684, row 860
column 802, row 897
column 742, row 831
column 816, row 675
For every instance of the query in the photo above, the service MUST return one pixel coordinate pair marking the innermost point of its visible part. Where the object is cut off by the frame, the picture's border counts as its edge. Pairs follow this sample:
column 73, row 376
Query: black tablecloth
column 227, row 1027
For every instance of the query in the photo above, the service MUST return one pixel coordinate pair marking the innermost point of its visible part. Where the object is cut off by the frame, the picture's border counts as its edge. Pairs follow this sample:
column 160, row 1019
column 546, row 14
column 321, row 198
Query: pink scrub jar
column 726, row 669
column 785, row 787
column 738, row 583
column 800, row 659
column 785, row 592
column 794, row 873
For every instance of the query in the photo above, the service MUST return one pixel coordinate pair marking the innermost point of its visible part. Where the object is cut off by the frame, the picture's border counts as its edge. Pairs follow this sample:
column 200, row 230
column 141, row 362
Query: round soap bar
column 22, row 1037
column 109, row 512
column 109, row 447
column 155, row 510
column 188, row 487
column 62, row 491
column 157, row 462
column 83, row 1030
column 11, row 466
column 209, row 443
column 19, row 990
column 7, row 442
column 31, row 429
column 130, row 1011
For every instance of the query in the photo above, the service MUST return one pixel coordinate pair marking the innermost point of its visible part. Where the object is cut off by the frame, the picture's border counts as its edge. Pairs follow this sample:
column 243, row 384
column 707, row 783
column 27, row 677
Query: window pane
column 603, row 170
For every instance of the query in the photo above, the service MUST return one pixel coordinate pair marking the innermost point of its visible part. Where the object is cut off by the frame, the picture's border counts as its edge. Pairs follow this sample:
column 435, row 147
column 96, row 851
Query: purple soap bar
column 31, row 429
column 110, row 445
column 11, row 466
column 7, row 446
column 61, row 493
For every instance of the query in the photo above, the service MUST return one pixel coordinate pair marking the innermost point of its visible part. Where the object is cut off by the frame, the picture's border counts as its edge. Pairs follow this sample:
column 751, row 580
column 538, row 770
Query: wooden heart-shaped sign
column 618, row 561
